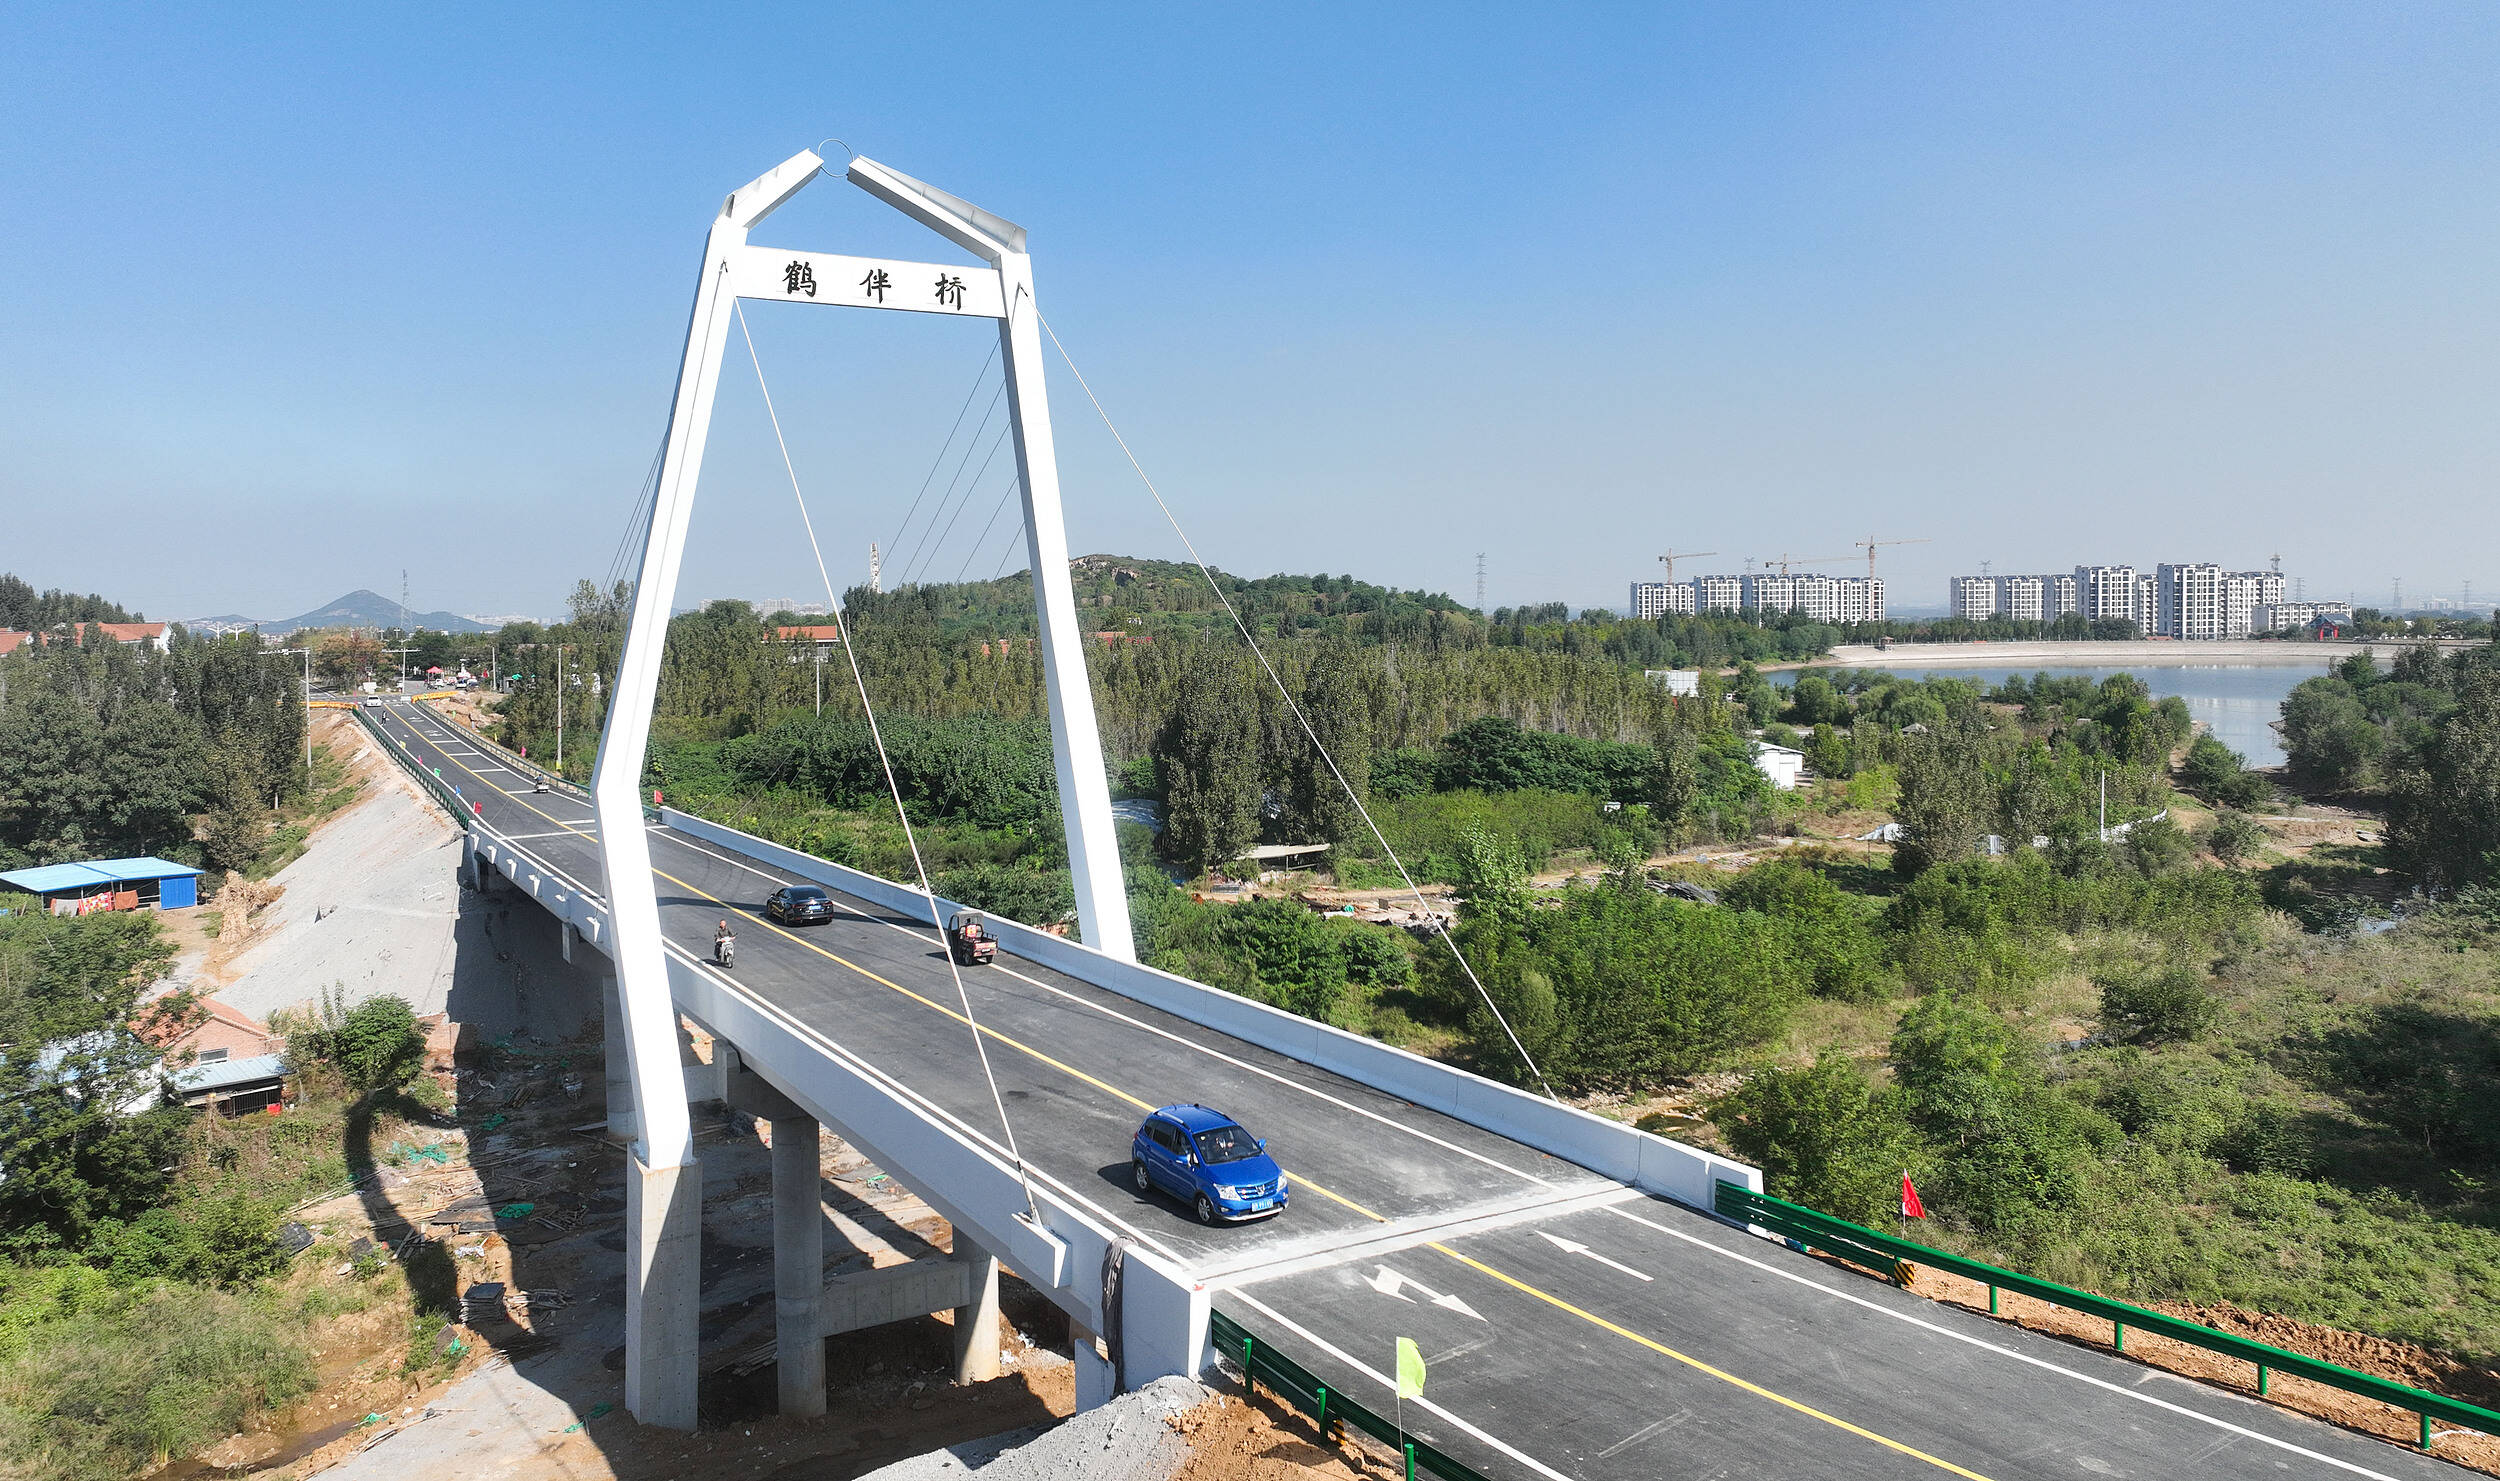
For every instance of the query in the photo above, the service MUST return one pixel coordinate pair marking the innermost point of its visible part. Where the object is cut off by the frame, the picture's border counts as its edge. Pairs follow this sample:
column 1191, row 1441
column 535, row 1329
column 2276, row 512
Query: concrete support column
column 622, row 1123
column 799, row 1265
column 976, row 1321
column 663, row 1290
column 1095, row 1385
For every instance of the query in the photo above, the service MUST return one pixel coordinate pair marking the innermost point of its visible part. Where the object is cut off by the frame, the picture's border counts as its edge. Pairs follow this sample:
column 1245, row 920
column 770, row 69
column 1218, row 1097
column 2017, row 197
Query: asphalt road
column 1572, row 1327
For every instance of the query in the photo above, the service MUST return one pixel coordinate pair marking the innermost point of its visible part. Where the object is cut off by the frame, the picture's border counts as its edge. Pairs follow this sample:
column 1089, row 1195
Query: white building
column 1834, row 599
column 1683, row 683
column 1718, row 593
column 2103, row 592
column 2275, row 617
column 1784, row 766
column 1655, row 599
column 2188, row 602
column 1974, row 598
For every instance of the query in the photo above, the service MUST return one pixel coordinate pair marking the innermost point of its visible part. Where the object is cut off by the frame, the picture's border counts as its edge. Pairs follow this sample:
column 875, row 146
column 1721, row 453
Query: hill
column 356, row 609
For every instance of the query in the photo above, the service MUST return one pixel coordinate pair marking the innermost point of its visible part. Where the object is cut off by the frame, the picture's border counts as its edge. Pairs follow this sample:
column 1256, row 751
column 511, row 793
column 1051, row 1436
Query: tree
column 69, row 1066
column 157, row 774
column 1208, row 754
column 2328, row 736
column 2014, row 1150
column 53, row 790
column 1340, row 717
column 1828, row 930
column 2443, row 815
column 2220, row 775
column 1823, row 1136
column 1944, row 802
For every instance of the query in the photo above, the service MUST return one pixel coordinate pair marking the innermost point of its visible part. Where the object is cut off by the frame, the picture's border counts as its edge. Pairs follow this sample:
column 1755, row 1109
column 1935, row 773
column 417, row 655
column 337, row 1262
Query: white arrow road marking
column 1574, row 1247
column 1389, row 1283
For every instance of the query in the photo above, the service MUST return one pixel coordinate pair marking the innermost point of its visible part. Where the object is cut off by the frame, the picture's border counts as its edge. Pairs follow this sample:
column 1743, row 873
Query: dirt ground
column 2400, row 1361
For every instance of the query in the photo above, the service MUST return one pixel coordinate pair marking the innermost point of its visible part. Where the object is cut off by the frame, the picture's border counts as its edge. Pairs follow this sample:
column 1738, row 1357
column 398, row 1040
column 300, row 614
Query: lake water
column 2239, row 703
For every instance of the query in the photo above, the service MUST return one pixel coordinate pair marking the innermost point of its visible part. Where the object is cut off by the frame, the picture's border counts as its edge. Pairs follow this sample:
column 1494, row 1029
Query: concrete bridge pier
column 976, row 1321
column 622, row 1123
column 798, row 1234
column 663, row 1289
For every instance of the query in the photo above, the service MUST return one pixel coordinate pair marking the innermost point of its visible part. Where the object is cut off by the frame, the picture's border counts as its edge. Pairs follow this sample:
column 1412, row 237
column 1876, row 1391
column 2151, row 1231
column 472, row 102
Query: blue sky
column 298, row 298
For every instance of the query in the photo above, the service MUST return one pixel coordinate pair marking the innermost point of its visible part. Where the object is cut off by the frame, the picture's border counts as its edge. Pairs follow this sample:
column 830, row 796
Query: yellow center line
column 1697, row 1364
column 1118, row 1094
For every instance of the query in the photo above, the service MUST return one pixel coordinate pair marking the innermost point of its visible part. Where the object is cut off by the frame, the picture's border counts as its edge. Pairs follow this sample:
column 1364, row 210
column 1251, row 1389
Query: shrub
column 1829, row 932
column 1824, row 1137
column 1375, row 956
column 2235, row 836
column 2160, row 1005
column 374, row 1046
column 1295, row 955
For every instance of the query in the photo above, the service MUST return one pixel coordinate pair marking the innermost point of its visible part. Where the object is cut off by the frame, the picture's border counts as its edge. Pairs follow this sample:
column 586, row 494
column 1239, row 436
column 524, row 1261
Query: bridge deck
column 1586, row 1330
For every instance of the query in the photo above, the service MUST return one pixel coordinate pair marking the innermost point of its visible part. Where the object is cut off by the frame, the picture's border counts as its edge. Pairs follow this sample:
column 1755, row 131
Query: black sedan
column 799, row 905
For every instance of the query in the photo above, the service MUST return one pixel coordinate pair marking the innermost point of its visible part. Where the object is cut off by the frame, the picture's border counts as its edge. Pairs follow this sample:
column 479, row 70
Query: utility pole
column 1480, row 583
column 2105, row 807
column 1672, row 556
column 560, row 647
column 2396, row 603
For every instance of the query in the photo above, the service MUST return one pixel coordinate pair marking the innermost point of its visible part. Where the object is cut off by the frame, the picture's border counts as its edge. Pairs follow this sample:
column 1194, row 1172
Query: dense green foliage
column 23, row 609
column 373, row 1046
column 2424, row 734
column 109, row 750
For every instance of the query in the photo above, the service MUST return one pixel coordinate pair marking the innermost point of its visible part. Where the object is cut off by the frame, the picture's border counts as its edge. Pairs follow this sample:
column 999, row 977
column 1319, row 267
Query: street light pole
column 560, row 647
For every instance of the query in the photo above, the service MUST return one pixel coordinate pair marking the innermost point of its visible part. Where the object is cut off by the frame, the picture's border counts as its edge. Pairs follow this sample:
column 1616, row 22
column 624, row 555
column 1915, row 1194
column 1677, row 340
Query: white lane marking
column 2004, row 1351
column 1376, row 1376
column 1643, row 1433
column 482, row 770
column 1574, row 1247
column 1162, row 1033
column 559, row 833
column 1391, row 1284
column 1401, row 1236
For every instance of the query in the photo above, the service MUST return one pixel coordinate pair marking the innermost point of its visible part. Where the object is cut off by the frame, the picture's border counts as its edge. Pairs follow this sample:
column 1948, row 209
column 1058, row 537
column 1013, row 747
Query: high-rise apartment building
column 1655, row 599
column 2188, row 602
column 2103, row 592
column 1718, row 593
column 1975, row 598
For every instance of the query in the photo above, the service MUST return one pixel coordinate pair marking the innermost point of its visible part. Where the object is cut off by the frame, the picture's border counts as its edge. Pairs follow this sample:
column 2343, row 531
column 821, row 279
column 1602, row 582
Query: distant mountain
column 356, row 609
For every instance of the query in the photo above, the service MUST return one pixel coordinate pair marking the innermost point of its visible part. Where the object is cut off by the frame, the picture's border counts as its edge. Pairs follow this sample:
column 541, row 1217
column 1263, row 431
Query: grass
column 103, row 1379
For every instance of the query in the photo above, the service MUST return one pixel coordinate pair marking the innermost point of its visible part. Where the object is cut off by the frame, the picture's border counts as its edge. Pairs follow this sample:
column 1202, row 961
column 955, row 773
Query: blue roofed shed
column 109, row 884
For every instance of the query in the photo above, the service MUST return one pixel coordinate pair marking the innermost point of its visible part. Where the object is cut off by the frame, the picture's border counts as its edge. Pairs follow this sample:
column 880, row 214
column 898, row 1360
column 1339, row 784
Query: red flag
column 1911, row 1208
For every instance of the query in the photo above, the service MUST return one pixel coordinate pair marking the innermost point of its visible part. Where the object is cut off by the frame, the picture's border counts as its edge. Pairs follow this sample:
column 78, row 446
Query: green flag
column 1410, row 1370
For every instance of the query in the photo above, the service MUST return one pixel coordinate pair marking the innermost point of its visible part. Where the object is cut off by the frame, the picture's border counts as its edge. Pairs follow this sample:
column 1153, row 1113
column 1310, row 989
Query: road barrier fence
column 1262, row 1364
column 1886, row 1254
column 440, row 790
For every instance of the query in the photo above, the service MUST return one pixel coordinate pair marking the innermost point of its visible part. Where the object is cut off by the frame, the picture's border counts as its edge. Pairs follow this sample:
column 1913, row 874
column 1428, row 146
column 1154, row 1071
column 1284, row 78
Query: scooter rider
column 724, row 943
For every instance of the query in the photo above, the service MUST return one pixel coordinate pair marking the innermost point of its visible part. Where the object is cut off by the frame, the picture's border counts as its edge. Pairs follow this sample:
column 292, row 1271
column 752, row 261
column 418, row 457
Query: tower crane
column 1672, row 556
column 1784, row 560
column 1870, row 543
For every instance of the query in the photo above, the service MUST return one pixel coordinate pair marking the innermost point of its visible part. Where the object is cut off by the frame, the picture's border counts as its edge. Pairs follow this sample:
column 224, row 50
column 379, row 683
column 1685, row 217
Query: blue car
column 1206, row 1160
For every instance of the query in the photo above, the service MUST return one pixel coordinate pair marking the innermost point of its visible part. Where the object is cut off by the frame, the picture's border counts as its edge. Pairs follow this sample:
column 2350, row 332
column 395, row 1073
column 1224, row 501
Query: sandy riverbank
column 2138, row 654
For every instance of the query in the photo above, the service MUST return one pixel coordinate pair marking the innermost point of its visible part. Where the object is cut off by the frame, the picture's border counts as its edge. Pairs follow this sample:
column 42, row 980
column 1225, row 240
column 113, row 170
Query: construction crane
column 1672, row 556
column 1870, row 543
column 1784, row 561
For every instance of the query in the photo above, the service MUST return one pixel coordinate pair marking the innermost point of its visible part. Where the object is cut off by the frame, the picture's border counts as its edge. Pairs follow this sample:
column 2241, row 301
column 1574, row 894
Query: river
column 2239, row 702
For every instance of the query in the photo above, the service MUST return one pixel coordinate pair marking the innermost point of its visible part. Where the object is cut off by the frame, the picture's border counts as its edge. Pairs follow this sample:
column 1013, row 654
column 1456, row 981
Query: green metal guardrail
column 1884, row 1252
column 1261, row 1363
column 440, row 790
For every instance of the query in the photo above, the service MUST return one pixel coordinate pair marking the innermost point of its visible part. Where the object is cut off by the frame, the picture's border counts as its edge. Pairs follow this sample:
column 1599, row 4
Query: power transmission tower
column 876, row 564
column 2277, row 559
column 2300, row 588
column 1672, row 556
column 2396, row 602
column 403, row 599
column 1479, row 581
column 1985, row 568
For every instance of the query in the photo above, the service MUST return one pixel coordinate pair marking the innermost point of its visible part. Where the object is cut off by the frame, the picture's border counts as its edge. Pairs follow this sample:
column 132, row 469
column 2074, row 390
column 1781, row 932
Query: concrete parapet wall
column 1653, row 1164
